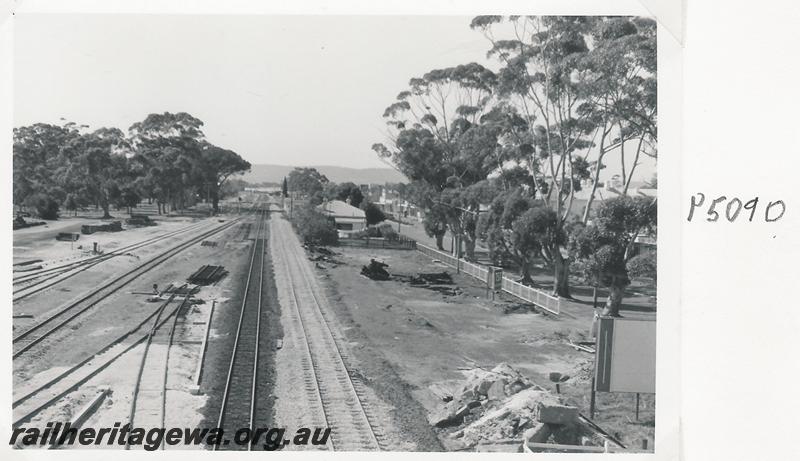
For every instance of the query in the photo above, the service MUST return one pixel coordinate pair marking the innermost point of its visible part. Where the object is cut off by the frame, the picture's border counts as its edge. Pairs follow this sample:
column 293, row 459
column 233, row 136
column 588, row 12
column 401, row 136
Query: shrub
column 46, row 207
column 643, row 265
column 314, row 228
column 388, row 231
column 373, row 213
column 371, row 232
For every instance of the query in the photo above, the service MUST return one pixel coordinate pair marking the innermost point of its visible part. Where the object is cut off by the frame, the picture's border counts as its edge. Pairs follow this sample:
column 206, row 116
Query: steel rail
column 237, row 338
column 105, row 364
column 131, row 275
column 143, row 361
column 324, row 323
column 99, row 258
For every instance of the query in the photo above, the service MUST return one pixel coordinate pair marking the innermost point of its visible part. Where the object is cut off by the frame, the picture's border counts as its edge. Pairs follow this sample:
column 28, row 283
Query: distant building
column 390, row 203
column 263, row 190
column 346, row 217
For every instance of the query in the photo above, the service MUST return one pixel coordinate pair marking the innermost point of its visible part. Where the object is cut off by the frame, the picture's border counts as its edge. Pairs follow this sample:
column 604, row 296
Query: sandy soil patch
column 457, row 333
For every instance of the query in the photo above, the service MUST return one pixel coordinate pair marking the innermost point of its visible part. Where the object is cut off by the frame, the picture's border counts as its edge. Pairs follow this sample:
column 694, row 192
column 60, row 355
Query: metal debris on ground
column 376, row 270
column 207, row 275
column 440, row 282
column 434, row 278
column 181, row 290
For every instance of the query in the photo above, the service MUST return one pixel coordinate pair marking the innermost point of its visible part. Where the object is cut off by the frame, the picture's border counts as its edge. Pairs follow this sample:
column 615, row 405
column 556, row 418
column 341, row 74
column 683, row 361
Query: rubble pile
column 376, row 270
column 498, row 405
column 321, row 255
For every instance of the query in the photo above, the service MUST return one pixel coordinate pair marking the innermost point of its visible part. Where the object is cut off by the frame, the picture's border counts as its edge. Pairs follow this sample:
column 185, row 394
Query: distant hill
column 276, row 173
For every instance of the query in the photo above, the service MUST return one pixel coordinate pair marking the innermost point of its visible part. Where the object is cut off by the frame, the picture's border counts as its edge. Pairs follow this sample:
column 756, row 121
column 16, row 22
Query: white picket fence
column 532, row 295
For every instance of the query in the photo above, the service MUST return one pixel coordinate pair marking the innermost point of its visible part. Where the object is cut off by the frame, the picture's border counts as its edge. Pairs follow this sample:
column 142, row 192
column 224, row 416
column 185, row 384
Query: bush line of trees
column 570, row 94
column 165, row 158
column 310, row 183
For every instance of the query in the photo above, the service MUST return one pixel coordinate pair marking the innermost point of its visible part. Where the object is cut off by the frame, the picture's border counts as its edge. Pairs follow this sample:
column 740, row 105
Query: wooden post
column 637, row 406
column 592, row 401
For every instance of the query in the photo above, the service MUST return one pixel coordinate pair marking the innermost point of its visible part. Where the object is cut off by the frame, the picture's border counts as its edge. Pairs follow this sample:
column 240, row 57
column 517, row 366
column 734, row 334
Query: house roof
column 338, row 208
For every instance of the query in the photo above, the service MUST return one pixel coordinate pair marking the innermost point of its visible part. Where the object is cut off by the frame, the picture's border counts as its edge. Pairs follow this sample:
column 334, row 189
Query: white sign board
column 626, row 355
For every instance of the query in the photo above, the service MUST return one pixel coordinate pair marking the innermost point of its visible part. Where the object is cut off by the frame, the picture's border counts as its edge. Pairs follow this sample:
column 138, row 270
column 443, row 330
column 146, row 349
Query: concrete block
column 193, row 389
column 497, row 391
column 483, row 387
column 447, row 416
column 556, row 413
column 539, row 433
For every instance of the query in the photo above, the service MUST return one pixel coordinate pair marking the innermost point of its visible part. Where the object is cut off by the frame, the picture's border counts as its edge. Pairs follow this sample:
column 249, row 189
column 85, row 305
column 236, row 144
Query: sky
column 289, row 90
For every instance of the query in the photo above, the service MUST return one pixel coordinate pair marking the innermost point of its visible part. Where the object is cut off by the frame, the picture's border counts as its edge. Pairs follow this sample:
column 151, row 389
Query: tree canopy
column 165, row 158
column 500, row 155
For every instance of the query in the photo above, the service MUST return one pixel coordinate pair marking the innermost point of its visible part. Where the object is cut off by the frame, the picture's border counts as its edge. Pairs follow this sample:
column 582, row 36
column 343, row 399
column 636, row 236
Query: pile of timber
column 67, row 236
column 140, row 220
column 207, row 275
column 113, row 226
column 20, row 223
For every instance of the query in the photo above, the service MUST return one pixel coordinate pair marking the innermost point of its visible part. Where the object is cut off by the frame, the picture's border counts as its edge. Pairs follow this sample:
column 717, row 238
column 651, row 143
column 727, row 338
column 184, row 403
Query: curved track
column 75, row 376
column 149, row 402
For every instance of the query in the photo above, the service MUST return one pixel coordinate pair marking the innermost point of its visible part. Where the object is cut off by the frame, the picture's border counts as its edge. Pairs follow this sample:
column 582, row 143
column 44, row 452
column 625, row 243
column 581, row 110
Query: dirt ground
column 119, row 313
column 640, row 295
column 40, row 242
column 430, row 338
column 393, row 411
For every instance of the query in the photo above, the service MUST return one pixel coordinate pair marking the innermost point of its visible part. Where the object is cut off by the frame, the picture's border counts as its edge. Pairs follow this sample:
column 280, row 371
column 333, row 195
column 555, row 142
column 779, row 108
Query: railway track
column 47, row 278
column 239, row 406
column 340, row 393
column 149, row 402
column 63, row 315
column 34, row 401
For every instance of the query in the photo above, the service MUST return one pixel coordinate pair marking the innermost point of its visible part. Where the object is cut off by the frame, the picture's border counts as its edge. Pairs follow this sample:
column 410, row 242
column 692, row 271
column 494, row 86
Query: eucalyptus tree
column 437, row 138
column 542, row 75
column 165, row 146
column 36, row 161
column 213, row 167
column 604, row 248
column 621, row 72
column 308, row 182
column 96, row 164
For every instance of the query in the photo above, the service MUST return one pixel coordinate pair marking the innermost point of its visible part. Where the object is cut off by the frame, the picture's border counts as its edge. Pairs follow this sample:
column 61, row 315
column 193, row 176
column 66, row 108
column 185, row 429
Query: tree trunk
column 106, row 214
column 613, row 302
column 561, row 282
column 469, row 245
column 439, row 241
column 215, row 204
column 526, row 273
